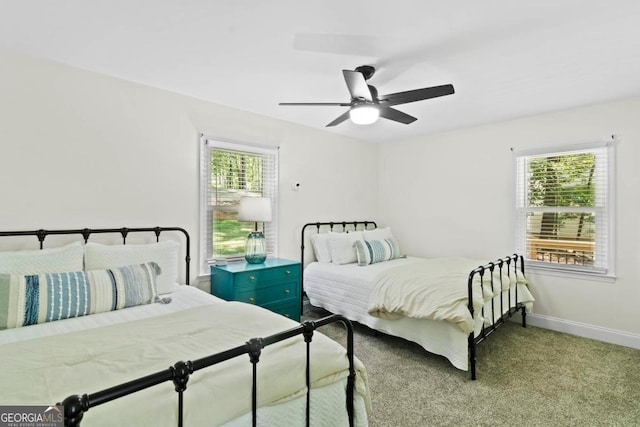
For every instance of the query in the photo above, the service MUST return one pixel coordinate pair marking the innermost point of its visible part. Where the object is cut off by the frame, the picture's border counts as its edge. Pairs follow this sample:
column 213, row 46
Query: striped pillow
column 32, row 299
column 372, row 251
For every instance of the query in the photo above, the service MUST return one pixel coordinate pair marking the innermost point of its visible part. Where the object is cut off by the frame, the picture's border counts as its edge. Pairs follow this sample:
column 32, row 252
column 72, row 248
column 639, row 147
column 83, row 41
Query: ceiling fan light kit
column 364, row 114
column 366, row 106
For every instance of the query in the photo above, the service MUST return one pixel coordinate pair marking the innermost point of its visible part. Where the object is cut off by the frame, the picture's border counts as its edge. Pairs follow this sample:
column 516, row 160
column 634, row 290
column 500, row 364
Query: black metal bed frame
column 486, row 331
column 75, row 406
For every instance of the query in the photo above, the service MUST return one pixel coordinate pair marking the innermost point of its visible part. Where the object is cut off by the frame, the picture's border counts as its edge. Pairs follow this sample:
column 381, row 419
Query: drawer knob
column 252, row 299
column 252, row 277
column 287, row 272
column 286, row 291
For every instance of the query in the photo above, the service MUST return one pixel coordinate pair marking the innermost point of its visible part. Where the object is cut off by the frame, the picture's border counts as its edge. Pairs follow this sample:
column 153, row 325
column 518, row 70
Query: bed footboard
column 76, row 406
column 510, row 264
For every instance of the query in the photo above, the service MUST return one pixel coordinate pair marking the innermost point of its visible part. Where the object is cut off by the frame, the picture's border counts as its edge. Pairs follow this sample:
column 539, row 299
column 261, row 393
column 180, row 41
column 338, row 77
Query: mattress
column 345, row 289
column 136, row 335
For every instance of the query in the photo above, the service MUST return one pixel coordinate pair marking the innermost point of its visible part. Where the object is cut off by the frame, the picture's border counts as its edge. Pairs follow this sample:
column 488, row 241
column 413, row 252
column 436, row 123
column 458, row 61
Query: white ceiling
column 505, row 58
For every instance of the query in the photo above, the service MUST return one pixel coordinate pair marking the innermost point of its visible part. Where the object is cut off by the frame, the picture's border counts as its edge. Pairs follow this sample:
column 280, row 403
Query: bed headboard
column 342, row 226
column 42, row 234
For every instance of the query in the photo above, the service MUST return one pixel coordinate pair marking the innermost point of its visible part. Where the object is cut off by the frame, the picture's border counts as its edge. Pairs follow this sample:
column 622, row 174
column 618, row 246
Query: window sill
column 570, row 274
column 224, row 260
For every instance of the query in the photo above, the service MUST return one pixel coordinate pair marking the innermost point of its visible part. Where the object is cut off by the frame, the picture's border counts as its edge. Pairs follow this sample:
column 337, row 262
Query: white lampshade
column 255, row 209
column 364, row 114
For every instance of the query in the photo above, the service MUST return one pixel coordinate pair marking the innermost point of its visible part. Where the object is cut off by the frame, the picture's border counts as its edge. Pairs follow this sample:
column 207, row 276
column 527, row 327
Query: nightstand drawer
column 258, row 277
column 288, row 309
column 270, row 292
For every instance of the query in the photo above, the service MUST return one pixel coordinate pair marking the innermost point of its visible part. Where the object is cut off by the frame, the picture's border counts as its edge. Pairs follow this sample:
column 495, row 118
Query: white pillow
column 320, row 244
column 40, row 261
column 341, row 247
column 165, row 254
column 378, row 234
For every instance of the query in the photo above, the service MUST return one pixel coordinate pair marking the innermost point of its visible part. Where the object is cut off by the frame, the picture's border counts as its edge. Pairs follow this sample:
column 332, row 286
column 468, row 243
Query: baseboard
column 585, row 330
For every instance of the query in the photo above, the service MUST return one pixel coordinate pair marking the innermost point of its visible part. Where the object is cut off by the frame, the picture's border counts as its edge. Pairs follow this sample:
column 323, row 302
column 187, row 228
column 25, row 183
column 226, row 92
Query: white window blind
column 564, row 203
column 230, row 171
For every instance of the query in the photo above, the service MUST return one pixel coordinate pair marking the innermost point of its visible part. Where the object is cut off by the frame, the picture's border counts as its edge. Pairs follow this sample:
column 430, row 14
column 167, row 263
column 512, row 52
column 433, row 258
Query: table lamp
column 255, row 209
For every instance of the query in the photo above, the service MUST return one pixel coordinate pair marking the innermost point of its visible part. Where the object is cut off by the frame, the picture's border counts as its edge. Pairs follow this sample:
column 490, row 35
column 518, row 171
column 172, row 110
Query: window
column 564, row 208
column 229, row 172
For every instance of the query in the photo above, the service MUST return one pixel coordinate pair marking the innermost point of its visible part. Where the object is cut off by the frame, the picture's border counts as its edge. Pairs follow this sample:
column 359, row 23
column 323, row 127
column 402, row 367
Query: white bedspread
column 436, row 289
column 345, row 289
column 46, row 370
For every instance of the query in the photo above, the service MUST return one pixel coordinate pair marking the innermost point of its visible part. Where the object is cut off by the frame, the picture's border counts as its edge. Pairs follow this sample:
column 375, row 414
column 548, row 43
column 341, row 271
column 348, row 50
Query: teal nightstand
column 274, row 284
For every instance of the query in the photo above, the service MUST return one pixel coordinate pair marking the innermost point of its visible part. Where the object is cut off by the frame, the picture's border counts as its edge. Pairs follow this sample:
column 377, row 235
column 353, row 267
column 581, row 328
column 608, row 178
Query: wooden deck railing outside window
column 558, row 251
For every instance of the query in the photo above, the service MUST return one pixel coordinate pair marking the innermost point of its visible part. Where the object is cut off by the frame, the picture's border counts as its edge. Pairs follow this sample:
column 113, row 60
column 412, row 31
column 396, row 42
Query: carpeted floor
column 526, row 377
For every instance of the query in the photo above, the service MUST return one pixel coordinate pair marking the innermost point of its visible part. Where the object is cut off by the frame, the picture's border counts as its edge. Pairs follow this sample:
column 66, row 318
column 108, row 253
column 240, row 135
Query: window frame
column 207, row 144
column 604, row 243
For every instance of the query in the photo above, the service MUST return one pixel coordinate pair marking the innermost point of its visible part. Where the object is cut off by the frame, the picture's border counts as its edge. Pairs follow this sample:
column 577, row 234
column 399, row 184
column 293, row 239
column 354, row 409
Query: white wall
column 443, row 193
column 80, row 149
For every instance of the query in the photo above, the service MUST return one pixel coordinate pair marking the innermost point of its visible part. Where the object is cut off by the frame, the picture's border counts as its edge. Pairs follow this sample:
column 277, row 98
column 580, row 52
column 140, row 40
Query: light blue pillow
column 373, row 251
column 39, row 298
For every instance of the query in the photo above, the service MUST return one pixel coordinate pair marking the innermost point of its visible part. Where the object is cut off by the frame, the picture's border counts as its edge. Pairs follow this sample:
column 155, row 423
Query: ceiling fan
column 366, row 106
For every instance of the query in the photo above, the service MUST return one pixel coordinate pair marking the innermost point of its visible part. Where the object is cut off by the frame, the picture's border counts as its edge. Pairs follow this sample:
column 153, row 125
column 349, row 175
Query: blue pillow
column 372, row 251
